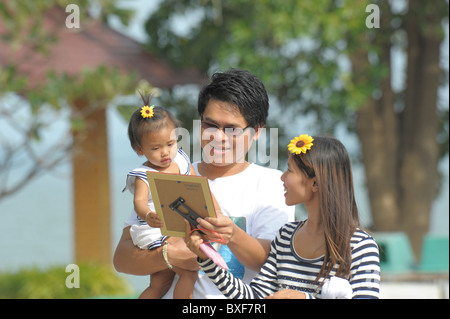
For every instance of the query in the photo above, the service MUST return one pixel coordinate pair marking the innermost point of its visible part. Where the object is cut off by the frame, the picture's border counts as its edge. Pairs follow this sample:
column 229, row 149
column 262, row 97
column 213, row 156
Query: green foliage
column 288, row 44
column 24, row 19
column 301, row 50
column 98, row 86
column 317, row 58
column 127, row 108
column 95, row 281
column 22, row 23
column 10, row 80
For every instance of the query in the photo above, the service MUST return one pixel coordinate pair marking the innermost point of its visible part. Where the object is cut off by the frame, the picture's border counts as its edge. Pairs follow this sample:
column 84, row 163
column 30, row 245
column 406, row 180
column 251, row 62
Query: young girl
column 309, row 255
column 151, row 133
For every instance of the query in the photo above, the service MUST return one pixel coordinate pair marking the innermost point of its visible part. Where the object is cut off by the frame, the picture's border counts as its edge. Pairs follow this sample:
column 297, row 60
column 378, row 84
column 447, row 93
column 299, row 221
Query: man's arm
column 251, row 252
column 130, row 259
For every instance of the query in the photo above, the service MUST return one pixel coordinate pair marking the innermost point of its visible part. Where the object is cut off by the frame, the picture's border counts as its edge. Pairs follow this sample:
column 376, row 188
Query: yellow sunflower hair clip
column 300, row 144
column 147, row 111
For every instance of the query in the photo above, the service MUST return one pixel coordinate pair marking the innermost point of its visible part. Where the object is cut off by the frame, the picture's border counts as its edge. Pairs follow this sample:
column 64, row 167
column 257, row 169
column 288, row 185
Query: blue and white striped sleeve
column 365, row 268
column 231, row 287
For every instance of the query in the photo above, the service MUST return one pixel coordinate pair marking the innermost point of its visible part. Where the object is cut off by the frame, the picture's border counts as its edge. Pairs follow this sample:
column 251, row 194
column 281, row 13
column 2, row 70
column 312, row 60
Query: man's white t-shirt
column 254, row 199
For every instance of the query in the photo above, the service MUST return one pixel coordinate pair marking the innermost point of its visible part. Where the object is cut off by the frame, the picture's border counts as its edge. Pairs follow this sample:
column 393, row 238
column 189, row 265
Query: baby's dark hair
column 138, row 125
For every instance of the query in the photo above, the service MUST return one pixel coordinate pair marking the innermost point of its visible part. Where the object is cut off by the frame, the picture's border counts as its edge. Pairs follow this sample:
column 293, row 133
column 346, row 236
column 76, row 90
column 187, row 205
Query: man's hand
column 181, row 257
column 221, row 224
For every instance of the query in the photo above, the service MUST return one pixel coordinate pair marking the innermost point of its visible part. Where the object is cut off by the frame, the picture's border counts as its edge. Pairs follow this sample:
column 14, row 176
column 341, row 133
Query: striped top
column 285, row 269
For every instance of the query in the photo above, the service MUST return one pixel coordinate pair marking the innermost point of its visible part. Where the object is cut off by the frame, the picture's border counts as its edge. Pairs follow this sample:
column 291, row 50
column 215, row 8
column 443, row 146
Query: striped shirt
column 285, row 269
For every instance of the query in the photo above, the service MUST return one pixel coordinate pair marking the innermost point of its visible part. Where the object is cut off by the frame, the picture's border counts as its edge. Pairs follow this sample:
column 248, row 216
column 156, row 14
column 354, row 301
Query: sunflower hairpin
column 300, row 144
column 147, row 111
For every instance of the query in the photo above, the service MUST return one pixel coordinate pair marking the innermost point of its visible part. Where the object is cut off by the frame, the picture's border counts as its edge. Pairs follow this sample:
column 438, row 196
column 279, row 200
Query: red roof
column 88, row 47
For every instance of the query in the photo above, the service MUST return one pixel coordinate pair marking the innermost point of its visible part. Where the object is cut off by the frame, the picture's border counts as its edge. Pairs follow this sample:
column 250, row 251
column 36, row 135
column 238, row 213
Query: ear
column 258, row 131
column 138, row 150
column 315, row 186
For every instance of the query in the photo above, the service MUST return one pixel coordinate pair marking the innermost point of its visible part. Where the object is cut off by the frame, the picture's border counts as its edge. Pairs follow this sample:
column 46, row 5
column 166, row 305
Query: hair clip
column 300, row 144
column 147, row 111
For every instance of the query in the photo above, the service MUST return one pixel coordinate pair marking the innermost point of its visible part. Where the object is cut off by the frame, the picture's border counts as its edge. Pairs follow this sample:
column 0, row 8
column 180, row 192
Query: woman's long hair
column 328, row 161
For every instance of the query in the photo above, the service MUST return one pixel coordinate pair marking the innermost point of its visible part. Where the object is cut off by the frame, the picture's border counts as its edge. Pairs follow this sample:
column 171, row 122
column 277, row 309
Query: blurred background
column 372, row 73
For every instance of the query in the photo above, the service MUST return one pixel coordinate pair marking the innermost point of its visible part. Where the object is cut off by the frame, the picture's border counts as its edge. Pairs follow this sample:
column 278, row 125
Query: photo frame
column 174, row 194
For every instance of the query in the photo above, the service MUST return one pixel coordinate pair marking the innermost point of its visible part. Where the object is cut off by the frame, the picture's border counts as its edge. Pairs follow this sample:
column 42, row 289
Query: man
column 233, row 109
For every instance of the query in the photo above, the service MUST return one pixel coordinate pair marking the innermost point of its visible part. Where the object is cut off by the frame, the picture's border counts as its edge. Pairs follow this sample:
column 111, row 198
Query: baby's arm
column 141, row 198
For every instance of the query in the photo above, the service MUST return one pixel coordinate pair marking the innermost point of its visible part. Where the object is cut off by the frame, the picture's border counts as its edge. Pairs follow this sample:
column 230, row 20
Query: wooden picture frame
column 167, row 188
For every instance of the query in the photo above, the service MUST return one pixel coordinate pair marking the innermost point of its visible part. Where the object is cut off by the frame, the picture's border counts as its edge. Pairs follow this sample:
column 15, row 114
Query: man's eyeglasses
column 228, row 131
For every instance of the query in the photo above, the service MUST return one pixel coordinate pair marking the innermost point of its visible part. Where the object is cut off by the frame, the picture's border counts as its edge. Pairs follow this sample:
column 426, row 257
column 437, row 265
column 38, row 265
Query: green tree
column 320, row 57
column 85, row 96
column 27, row 114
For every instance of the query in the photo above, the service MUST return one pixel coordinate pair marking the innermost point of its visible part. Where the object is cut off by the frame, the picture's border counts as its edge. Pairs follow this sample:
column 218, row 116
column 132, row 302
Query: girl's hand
column 153, row 220
column 181, row 257
column 287, row 294
column 193, row 241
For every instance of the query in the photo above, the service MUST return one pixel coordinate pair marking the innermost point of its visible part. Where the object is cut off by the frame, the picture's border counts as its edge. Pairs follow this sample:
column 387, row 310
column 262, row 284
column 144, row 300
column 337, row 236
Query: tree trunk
column 377, row 133
column 400, row 149
column 420, row 151
column 377, row 128
column 92, row 225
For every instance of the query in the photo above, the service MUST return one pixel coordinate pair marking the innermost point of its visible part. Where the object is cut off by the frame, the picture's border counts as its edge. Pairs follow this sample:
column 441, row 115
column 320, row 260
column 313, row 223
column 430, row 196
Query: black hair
column 138, row 125
column 240, row 88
